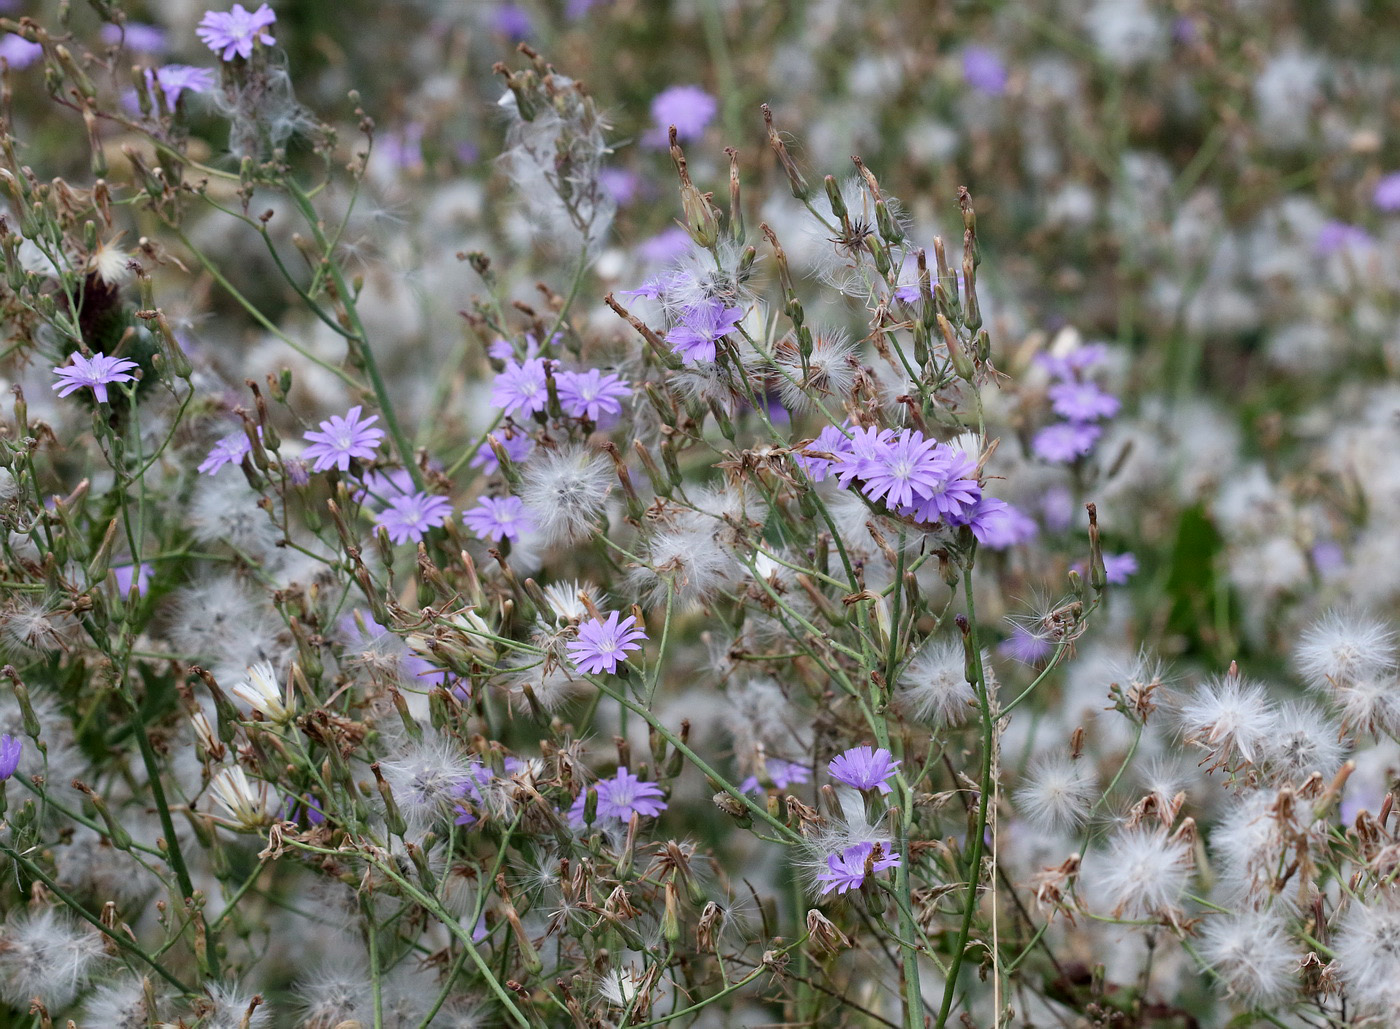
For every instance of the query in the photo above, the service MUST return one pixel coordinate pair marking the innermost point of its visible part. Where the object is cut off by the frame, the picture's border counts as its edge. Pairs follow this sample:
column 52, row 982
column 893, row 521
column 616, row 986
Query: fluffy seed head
column 1253, row 954
column 935, row 686
column 565, row 490
column 1343, row 647
column 47, row 955
column 1058, row 793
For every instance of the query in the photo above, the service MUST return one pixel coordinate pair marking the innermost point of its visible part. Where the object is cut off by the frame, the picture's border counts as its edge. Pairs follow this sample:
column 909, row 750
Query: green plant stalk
column 979, row 828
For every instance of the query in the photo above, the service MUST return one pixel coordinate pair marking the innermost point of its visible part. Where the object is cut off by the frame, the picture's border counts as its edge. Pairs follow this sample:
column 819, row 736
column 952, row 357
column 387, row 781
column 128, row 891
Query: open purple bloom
column 591, row 394
column 1080, row 359
column 341, row 438
column 11, row 748
column 689, row 108
column 905, row 466
column 1387, row 193
column 831, row 440
column 96, row 373
column 410, row 517
column 983, row 70
column 516, row 445
column 701, row 326
column 996, row 524
column 522, row 388
column 601, row 646
column 781, row 773
column 1336, row 236
column 1082, row 401
column 1063, row 442
column 231, row 449
column 952, row 497
column 513, row 23
column 234, row 32
column 848, row 869
column 620, row 798
column 175, row 79
column 864, row 768
column 864, row 449
column 497, row 519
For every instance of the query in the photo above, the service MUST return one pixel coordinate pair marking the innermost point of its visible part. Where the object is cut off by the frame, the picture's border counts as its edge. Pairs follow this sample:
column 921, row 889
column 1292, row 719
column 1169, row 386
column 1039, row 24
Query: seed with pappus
column 602, row 645
column 48, row 955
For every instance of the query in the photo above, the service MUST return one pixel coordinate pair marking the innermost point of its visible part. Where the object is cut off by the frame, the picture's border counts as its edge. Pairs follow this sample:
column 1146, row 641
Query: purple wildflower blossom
column 127, row 575
column 831, row 440
column 231, row 449
column 602, row 645
column 1063, row 442
column 781, row 774
column 1082, row 401
column 983, row 70
column 591, row 394
column 175, row 79
column 952, row 497
column 136, row 36
column 303, row 808
column 1118, row 568
column 621, row 184
column 18, row 52
column 11, row 747
column 341, row 438
column 1080, row 359
column 498, row 519
column 513, row 23
column 1336, row 236
column 1387, row 193
column 847, row 870
column 996, row 524
column 865, row 446
column 620, row 798
column 96, row 373
column 381, row 487
column 1025, row 646
column 522, row 388
column 410, row 517
column 517, row 446
column 235, row 31
column 689, row 108
column 701, row 326
column 864, row 768
column 905, row 466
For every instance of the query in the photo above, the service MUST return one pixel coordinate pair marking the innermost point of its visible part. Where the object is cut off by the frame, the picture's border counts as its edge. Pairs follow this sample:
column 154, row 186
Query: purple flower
column 303, row 808
column 1387, row 194
column 18, row 52
column 1082, row 401
column 521, row 388
column 591, row 394
column 516, row 445
column 983, row 70
column 847, row 870
column 96, row 373
column 1025, row 646
column 410, row 517
column 236, row 31
column 620, row 798
column 701, row 325
column 954, row 496
column 865, row 446
column 602, row 645
column 688, row 108
column 231, row 449
column 620, row 184
column 175, row 79
column 1080, row 359
column 905, row 466
column 498, row 519
column 1063, row 442
column 339, row 439
column 996, row 524
column 1336, row 236
column 1119, row 567
column 10, row 749
column 145, row 38
column 666, row 245
column 864, row 768
column 512, row 22
column 380, row 487
column 781, row 773
column 830, row 440
column 126, row 575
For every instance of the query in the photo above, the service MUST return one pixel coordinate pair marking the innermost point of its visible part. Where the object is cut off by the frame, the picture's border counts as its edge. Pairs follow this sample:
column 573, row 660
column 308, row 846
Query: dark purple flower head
column 619, row 798
column 512, row 22
column 689, row 108
column 983, row 70
column 781, row 774
column 498, row 519
column 1082, row 401
column 235, row 32
column 848, row 869
column 96, row 373
column 11, row 747
column 1063, row 442
column 341, row 438
column 864, row 768
column 517, row 446
column 522, row 388
column 701, row 326
column 591, row 394
column 231, row 449
column 601, row 646
column 1387, row 194
column 408, row 518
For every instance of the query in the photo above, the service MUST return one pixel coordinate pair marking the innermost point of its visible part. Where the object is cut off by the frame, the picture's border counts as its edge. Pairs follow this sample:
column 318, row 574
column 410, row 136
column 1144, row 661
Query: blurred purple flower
column 1063, row 442
column 781, row 773
column 516, row 445
column 18, row 52
column 512, row 22
column 140, row 574
column 1082, row 401
column 1025, row 646
column 620, row 184
column 1338, row 235
column 175, row 79
column 847, row 870
column 701, row 326
column 231, row 449
column 983, row 70
column 996, row 524
column 1387, row 194
column 689, row 108
column 1118, row 568
column 149, row 39
column 11, row 747
column 666, row 245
